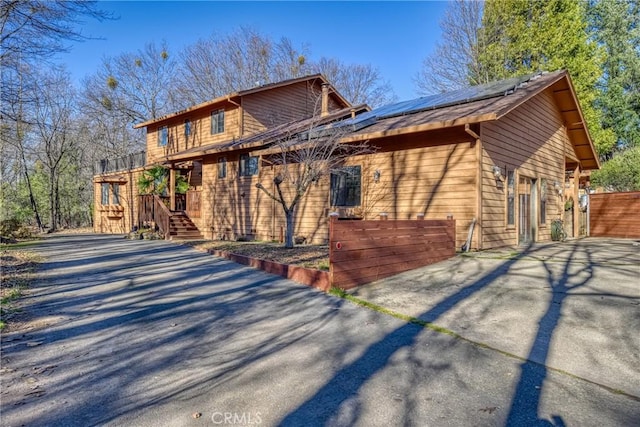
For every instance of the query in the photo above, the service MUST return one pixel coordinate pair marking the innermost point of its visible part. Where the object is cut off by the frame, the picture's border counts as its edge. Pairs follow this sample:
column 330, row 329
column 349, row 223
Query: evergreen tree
column 526, row 36
column 615, row 25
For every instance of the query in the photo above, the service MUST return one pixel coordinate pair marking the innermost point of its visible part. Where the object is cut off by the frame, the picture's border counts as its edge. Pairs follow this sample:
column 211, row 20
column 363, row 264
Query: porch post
column 172, row 189
column 576, row 204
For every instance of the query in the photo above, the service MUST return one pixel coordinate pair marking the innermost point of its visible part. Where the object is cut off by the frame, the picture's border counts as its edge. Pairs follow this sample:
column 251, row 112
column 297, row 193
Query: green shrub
column 557, row 230
column 8, row 226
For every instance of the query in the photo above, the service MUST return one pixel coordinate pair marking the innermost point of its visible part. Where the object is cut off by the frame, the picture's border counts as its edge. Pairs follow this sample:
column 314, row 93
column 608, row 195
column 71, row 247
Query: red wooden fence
column 614, row 214
column 364, row 251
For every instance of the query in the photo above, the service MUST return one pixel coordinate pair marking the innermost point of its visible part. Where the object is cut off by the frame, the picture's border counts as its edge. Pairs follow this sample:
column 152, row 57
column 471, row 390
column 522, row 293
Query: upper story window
column 248, row 165
column 345, row 186
column 222, row 167
column 163, row 136
column 217, row 122
column 187, row 128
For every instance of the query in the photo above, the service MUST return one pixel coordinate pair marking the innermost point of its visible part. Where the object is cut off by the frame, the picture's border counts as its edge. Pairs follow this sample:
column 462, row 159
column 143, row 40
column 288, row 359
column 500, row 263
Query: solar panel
column 432, row 102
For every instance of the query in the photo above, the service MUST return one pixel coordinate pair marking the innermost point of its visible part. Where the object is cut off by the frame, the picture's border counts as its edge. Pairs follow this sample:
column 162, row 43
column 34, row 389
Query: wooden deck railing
column 153, row 208
column 162, row 215
column 145, row 209
column 128, row 162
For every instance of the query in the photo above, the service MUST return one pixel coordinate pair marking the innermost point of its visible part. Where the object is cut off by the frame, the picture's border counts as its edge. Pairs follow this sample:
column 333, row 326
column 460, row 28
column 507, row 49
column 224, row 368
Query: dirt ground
column 17, row 269
column 310, row 256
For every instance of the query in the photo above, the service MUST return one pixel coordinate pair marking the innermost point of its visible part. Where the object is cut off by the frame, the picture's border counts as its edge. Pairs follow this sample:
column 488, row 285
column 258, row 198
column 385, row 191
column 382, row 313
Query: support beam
column 172, row 189
column 576, row 204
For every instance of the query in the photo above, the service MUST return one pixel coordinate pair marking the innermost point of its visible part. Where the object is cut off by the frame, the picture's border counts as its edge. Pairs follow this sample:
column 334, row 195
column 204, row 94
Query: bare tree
column 240, row 60
column 246, row 58
column 16, row 124
column 455, row 61
column 303, row 158
column 359, row 83
column 53, row 128
column 31, row 32
column 129, row 88
column 135, row 84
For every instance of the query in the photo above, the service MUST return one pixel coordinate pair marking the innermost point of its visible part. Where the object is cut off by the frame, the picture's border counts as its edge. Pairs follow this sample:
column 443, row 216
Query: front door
column 525, row 211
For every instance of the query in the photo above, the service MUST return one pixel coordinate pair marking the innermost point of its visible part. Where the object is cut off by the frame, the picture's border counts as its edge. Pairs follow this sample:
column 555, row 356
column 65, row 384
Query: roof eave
column 237, row 94
column 589, row 162
column 269, row 138
column 420, row 128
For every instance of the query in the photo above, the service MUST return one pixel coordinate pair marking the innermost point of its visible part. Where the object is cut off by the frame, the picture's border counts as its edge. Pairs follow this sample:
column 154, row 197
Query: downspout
column 477, row 222
column 240, row 115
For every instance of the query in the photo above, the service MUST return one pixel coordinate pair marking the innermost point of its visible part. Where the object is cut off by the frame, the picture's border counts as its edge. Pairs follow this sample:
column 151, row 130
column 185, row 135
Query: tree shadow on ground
column 211, row 321
column 344, row 386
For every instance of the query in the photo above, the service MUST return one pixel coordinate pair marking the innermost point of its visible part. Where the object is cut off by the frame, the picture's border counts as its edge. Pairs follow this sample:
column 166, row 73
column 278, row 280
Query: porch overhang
column 260, row 140
column 111, row 179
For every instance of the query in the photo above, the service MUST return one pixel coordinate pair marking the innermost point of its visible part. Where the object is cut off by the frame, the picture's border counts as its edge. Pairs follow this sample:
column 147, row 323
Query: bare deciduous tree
column 246, row 58
column 454, row 63
column 31, row 32
column 53, row 116
column 303, row 158
column 137, row 85
column 240, row 60
column 358, row 83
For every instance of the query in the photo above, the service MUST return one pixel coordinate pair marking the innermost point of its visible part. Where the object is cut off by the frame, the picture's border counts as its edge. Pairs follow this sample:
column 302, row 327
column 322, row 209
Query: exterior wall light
column 557, row 187
column 497, row 172
column 376, row 175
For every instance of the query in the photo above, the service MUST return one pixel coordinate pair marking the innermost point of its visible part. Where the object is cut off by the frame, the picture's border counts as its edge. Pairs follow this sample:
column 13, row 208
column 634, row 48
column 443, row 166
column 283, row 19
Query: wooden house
column 501, row 158
column 184, row 142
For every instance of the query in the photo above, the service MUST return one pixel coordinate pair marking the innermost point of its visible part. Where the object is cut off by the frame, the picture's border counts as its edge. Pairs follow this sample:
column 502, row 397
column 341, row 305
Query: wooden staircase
column 182, row 228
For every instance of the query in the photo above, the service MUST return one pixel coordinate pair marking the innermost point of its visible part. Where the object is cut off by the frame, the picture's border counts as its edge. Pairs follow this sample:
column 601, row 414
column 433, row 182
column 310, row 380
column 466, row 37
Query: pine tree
column 526, row 36
column 616, row 28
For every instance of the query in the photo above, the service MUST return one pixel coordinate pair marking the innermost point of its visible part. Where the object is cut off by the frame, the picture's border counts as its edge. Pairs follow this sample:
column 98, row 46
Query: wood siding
column 200, row 132
column 264, row 110
column 531, row 140
column 112, row 218
column 431, row 174
column 234, row 208
column 365, row 251
column 253, row 113
column 614, row 215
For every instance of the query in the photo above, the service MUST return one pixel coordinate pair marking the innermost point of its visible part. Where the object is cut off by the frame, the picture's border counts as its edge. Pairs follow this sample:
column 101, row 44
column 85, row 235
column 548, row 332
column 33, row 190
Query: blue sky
column 393, row 36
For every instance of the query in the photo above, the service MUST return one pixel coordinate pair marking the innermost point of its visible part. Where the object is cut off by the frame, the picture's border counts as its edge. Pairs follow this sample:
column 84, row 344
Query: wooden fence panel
column 193, row 203
column 614, row 215
column 364, row 251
